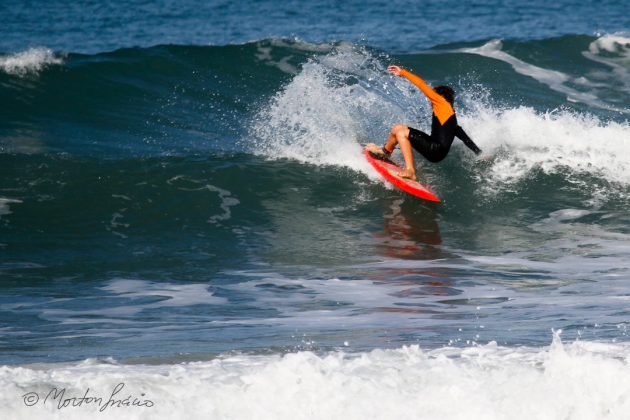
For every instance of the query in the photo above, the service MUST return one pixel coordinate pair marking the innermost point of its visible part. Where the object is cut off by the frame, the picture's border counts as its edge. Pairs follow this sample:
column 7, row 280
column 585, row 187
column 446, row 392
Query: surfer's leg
column 401, row 134
column 392, row 140
column 388, row 148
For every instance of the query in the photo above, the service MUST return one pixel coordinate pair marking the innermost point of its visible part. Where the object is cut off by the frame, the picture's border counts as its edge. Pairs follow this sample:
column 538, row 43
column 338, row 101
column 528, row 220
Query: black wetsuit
column 444, row 126
column 436, row 146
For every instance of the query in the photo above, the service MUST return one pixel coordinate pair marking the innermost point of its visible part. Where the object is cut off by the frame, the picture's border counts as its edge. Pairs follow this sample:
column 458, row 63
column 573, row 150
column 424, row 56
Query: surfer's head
column 446, row 92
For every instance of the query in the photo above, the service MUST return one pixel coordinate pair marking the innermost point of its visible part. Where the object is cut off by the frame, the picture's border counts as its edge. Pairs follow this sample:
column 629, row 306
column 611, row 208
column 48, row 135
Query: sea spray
column 334, row 105
column 29, row 62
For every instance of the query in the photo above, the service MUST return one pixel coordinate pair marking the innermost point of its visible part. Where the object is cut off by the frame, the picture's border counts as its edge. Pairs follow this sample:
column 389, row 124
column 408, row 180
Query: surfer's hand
column 395, row 70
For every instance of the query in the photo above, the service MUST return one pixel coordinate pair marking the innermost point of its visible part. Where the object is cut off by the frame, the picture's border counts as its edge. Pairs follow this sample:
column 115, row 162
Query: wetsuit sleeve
column 441, row 108
column 422, row 85
column 461, row 134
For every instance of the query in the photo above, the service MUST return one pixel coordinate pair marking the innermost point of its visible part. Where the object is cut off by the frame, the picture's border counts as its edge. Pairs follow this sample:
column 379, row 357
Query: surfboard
column 388, row 170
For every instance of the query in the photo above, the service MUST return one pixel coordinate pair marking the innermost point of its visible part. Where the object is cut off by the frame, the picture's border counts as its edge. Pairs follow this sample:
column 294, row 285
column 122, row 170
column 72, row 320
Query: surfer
column 444, row 128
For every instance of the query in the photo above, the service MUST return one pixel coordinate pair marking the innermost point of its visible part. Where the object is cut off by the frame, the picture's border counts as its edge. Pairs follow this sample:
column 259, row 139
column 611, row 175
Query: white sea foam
column 330, row 108
column 581, row 380
column 612, row 43
column 4, row 205
column 26, row 141
column 173, row 294
column 556, row 80
column 227, row 200
column 612, row 50
column 147, row 295
column 616, row 44
column 301, row 45
column 523, row 140
column 31, row 61
column 264, row 52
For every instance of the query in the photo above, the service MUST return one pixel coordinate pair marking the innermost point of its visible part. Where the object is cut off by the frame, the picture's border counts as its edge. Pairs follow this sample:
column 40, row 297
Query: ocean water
column 188, row 227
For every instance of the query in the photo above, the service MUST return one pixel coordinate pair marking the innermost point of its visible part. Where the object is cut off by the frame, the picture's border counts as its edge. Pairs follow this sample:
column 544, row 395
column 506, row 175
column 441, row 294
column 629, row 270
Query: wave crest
column 31, row 61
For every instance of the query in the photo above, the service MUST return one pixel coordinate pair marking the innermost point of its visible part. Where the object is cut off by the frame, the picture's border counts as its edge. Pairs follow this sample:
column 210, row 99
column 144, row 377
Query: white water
column 333, row 106
column 612, row 50
column 522, row 141
column 31, row 61
column 5, row 203
column 581, row 380
column 321, row 118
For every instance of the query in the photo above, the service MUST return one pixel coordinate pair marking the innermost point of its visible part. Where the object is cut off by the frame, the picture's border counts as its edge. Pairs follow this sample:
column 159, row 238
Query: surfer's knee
column 401, row 131
column 398, row 128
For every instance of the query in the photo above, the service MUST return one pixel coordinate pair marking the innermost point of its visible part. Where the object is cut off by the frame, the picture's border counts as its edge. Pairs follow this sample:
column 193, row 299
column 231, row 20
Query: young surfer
column 444, row 128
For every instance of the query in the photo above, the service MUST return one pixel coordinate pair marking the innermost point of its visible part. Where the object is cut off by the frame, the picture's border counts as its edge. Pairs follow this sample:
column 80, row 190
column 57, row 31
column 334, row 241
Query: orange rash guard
column 444, row 127
column 441, row 108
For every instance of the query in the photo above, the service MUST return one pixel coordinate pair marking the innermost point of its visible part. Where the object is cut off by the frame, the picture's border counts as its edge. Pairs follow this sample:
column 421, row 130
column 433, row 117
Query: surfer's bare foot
column 408, row 174
column 377, row 150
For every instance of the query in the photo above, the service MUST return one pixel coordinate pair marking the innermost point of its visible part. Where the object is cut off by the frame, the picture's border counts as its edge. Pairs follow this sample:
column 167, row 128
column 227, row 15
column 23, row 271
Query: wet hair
column 446, row 92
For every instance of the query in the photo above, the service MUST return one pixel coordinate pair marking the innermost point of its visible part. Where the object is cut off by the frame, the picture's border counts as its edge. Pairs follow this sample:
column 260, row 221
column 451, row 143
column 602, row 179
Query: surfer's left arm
column 461, row 134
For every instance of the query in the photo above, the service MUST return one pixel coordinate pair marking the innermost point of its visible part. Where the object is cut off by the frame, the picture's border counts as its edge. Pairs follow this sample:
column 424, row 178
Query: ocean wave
column 578, row 380
column 554, row 79
column 612, row 50
column 343, row 99
column 319, row 103
column 31, row 61
column 320, row 116
column 523, row 141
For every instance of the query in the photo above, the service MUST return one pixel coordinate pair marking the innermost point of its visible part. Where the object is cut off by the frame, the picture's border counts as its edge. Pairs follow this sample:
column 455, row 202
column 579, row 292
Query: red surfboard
column 388, row 169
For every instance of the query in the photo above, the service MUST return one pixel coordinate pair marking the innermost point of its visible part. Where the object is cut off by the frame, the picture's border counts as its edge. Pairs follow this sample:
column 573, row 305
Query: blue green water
column 182, row 180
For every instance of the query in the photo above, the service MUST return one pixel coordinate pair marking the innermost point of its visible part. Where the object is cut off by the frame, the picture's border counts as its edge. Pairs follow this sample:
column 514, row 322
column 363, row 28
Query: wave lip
column 31, row 61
